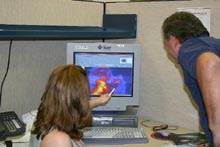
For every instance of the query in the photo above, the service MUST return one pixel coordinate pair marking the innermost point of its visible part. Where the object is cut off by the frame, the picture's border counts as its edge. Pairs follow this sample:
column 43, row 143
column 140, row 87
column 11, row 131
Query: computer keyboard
column 114, row 135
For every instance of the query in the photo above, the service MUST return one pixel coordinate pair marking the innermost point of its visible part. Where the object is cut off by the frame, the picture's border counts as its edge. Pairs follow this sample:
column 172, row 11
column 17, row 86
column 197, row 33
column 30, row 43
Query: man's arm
column 208, row 76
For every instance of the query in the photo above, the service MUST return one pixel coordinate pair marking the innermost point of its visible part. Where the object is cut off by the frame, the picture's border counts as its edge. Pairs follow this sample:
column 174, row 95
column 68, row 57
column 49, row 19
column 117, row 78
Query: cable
column 143, row 123
column 104, row 12
column 7, row 68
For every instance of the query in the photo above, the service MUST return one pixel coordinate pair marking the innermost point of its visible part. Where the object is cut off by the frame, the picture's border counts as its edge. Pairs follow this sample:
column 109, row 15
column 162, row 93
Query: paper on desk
column 28, row 119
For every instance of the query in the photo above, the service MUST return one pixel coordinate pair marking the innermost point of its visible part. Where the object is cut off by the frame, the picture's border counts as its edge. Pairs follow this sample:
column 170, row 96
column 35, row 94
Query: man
column 188, row 42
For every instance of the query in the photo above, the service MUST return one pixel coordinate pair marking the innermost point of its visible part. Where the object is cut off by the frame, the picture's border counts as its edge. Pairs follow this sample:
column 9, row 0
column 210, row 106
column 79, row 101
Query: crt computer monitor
column 109, row 66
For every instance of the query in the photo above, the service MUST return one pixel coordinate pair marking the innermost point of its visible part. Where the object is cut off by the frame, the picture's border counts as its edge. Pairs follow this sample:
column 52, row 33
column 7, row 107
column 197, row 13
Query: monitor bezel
column 116, row 103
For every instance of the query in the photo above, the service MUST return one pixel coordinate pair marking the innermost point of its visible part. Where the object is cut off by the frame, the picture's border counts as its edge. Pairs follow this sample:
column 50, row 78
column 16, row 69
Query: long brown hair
column 65, row 102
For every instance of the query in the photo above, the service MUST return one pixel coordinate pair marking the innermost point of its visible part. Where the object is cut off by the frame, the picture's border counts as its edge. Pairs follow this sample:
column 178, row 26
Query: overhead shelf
column 115, row 26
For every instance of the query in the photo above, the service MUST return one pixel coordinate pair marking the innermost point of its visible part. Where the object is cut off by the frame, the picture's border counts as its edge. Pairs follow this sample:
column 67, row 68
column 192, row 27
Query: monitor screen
column 109, row 66
column 107, row 71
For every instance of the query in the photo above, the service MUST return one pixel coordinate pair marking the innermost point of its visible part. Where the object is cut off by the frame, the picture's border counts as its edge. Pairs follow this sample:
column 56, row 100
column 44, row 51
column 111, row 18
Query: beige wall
column 49, row 12
column 162, row 94
column 32, row 61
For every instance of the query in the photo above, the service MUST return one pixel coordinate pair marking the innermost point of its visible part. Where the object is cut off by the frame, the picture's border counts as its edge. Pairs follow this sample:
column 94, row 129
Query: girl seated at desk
column 65, row 107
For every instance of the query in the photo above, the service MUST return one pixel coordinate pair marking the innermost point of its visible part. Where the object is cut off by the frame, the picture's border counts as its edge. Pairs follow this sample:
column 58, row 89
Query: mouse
column 162, row 133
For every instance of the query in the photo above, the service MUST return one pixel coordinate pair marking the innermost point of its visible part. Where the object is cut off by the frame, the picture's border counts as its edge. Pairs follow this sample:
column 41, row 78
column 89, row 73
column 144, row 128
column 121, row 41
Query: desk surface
column 151, row 141
column 148, row 130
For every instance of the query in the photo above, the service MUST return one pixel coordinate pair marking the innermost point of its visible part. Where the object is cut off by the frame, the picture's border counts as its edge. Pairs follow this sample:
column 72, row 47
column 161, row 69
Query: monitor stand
column 126, row 118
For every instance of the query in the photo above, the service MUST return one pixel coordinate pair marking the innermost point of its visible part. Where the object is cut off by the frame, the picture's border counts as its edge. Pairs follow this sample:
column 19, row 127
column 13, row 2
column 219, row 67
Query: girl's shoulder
column 56, row 138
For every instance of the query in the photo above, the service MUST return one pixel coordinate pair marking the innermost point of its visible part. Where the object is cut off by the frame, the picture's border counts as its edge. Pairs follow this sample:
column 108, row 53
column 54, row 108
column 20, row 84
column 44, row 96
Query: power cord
column 158, row 127
column 7, row 69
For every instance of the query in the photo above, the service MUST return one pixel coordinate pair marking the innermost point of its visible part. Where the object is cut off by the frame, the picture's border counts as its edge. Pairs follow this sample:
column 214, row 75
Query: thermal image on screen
column 103, row 79
column 108, row 71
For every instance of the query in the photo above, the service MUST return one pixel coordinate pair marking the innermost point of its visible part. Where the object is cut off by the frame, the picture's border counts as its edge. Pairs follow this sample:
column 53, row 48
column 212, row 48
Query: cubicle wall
column 33, row 60
column 51, row 12
column 163, row 96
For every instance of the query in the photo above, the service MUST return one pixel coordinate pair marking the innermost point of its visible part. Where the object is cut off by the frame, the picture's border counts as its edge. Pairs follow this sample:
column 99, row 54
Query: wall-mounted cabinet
column 115, row 26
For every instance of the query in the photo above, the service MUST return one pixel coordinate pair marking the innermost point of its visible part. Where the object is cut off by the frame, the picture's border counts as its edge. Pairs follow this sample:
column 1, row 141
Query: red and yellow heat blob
column 101, row 84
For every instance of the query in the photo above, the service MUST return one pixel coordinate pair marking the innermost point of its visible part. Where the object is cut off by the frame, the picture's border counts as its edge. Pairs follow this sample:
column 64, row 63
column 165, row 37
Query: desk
column 10, row 142
column 151, row 141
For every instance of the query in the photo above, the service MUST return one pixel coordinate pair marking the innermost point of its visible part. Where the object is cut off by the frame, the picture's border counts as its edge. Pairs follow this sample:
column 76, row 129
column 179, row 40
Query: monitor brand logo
column 104, row 47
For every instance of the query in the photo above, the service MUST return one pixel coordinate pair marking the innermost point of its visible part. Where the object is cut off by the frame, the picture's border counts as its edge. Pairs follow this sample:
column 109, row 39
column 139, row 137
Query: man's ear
column 175, row 41
column 173, row 38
